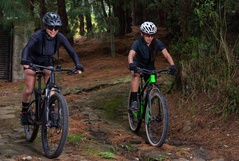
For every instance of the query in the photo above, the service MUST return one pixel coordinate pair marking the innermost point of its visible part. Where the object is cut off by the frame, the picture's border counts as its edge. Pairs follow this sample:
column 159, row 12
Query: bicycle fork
column 46, row 104
column 147, row 112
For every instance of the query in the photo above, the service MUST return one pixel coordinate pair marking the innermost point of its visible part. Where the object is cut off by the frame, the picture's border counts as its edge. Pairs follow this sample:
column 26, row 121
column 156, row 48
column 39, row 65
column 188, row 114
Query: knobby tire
column 156, row 118
column 31, row 129
column 134, row 117
column 54, row 137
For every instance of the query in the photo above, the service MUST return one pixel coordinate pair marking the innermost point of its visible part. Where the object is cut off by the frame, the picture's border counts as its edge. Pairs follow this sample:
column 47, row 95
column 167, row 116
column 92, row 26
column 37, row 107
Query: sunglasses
column 53, row 27
column 148, row 35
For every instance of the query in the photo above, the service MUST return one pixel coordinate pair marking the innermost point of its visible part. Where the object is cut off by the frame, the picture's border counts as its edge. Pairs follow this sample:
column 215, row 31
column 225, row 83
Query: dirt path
column 102, row 129
column 98, row 116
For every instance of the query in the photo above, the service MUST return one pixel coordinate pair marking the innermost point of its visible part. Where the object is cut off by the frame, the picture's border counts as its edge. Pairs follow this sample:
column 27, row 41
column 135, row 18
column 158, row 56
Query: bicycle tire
column 134, row 117
column 31, row 129
column 156, row 118
column 54, row 137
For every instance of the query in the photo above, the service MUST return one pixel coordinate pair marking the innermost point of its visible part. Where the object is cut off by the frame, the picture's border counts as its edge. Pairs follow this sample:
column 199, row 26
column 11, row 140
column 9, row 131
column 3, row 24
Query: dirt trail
column 103, row 130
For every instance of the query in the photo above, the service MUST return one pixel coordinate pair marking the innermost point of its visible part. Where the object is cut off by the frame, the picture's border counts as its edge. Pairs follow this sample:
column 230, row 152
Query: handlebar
column 58, row 68
column 146, row 71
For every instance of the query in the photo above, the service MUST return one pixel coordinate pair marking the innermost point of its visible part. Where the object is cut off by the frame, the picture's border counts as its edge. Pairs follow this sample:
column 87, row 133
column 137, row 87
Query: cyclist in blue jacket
column 143, row 53
column 40, row 49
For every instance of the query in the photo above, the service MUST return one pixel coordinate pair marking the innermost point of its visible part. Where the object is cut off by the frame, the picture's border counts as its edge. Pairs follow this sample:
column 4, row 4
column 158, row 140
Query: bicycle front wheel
column 54, row 136
column 31, row 129
column 156, row 118
column 134, row 117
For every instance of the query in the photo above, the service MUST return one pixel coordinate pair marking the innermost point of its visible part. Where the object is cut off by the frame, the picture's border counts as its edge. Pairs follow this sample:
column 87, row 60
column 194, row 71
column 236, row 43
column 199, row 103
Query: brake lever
column 74, row 71
column 32, row 66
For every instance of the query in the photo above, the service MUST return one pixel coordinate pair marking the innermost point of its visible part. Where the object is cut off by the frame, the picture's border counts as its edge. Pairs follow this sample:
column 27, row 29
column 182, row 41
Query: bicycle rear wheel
column 156, row 118
column 134, row 116
column 31, row 129
column 54, row 136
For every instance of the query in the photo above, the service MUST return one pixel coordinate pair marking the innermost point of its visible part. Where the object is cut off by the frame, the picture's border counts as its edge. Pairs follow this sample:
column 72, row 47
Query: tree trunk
column 62, row 12
column 138, row 12
column 88, row 18
column 119, row 12
column 128, row 18
column 82, row 24
column 31, row 6
column 161, row 19
column 42, row 11
column 112, row 39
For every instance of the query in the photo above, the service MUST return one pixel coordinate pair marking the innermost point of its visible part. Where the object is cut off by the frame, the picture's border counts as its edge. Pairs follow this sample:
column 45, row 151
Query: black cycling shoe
column 24, row 118
column 134, row 106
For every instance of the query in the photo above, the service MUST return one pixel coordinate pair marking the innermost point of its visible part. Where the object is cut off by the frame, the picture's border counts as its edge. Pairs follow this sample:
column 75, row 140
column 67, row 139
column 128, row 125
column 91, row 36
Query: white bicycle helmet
column 148, row 28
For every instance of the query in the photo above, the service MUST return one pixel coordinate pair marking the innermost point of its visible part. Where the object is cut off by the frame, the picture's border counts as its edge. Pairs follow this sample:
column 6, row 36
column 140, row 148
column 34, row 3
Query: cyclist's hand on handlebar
column 79, row 68
column 75, row 71
column 172, row 69
column 133, row 67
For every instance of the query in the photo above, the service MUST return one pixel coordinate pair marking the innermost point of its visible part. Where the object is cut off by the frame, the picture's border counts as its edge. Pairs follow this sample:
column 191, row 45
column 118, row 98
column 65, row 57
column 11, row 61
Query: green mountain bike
column 152, row 107
column 54, row 128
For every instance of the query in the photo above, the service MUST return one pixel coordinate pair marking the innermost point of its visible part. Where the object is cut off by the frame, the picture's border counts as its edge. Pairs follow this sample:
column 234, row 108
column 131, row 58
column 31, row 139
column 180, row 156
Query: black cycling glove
column 79, row 67
column 133, row 67
column 172, row 69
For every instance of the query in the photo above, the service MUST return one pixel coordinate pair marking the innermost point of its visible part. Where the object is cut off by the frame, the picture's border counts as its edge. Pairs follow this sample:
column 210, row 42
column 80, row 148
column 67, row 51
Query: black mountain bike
column 152, row 107
column 54, row 127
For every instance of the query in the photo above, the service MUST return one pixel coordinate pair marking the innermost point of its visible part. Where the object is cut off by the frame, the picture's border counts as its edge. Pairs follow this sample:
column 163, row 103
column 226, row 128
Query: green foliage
column 14, row 12
column 76, row 9
column 161, row 157
column 209, row 57
column 230, row 96
column 74, row 138
column 107, row 155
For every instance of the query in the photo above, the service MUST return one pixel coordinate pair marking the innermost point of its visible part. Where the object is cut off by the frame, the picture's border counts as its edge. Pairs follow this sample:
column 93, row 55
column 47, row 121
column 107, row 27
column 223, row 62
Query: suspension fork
column 148, row 101
column 49, row 86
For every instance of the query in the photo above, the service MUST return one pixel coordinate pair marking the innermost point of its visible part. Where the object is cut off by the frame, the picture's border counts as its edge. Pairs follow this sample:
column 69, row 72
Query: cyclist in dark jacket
column 143, row 53
column 40, row 49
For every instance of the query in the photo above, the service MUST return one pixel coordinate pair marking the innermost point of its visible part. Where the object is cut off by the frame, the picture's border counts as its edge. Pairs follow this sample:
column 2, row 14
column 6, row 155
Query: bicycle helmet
column 52, row 19
column 148, row 28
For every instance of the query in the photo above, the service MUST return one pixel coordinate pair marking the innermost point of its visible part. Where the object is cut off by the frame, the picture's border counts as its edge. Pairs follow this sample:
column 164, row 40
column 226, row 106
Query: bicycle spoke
column 156, row 120
column 31, row 129
column 54, row 136
column 155, row 126
column 133, row 117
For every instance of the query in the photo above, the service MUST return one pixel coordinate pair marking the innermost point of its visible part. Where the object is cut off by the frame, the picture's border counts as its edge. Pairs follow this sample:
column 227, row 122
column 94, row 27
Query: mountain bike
column 152, row 107
column 48, row 108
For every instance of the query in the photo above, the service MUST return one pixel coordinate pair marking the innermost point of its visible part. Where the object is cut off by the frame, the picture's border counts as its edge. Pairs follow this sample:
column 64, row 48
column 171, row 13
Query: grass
column 74, row 138
column 107, row 155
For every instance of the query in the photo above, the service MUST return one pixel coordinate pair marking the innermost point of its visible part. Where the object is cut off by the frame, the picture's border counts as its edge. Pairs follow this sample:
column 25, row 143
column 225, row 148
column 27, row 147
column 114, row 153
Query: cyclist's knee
column 29, row 72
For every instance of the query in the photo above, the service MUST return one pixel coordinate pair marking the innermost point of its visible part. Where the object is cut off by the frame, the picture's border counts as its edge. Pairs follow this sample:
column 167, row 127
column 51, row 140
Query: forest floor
column 97, row 102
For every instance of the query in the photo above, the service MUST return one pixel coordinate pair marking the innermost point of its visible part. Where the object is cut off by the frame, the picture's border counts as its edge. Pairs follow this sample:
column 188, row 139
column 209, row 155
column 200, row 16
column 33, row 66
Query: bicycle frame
column 43, row 103
column 152, row 108
column 144, row 89
column 54, row 124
